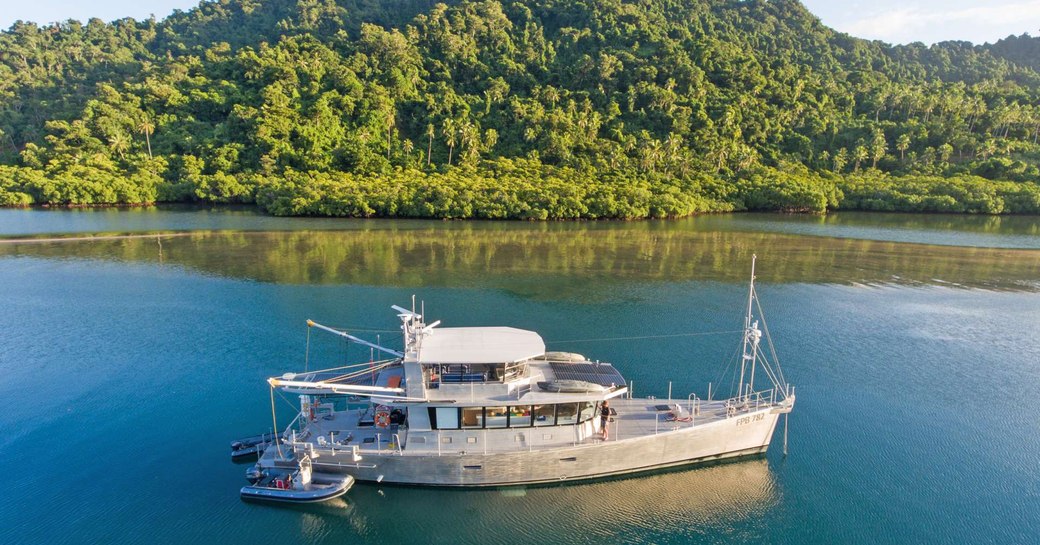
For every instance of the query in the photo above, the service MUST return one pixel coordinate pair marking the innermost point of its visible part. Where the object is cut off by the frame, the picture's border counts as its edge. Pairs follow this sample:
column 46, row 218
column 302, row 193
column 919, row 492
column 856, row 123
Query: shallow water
column 129, row 363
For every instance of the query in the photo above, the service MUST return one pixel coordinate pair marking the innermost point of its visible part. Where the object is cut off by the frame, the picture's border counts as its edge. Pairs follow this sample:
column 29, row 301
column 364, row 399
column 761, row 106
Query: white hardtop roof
column 479, row 345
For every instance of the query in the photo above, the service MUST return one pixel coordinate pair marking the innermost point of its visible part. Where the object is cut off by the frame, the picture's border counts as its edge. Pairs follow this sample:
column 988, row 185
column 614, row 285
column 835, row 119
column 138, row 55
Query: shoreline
column 260, row 211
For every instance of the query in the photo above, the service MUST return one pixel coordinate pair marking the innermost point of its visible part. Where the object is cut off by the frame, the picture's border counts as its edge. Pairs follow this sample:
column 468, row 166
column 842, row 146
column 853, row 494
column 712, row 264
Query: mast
column 409, row 321
column 751, row 338
column 414, row 329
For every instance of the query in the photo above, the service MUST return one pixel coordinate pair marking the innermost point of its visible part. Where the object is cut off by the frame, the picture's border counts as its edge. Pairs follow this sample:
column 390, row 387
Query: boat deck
column 635, row 418
column 345, row 429
column 640, row 417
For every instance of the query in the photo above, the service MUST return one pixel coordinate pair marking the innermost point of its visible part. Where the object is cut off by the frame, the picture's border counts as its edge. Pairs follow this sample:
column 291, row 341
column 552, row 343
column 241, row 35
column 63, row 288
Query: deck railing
column 697, row 410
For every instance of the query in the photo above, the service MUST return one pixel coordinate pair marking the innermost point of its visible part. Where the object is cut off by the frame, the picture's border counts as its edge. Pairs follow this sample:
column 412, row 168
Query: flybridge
column 426, row 344
column 460, row 354
column 468, row 345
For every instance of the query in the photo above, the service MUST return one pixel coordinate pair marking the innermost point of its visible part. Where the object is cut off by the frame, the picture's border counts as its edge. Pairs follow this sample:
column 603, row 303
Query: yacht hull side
column 750, row 433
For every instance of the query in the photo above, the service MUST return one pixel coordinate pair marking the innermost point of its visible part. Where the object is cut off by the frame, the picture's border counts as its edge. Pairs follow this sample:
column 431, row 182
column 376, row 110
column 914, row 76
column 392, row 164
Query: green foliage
column 530, row 109
column 961, row 194
column 502, row 189
column 788, row 190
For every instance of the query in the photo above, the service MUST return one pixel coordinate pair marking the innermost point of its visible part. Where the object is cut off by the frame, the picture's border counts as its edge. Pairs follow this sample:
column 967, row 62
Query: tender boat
column 488, row 406
column 301, row 485
column 250, row 448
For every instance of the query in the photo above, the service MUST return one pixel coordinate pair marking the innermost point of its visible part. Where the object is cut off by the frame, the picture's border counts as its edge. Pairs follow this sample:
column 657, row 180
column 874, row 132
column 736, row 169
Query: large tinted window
column 586, row 410
column 520, row 417
column 544, row 415
column 496, row 416
column 447, row 418
column 473, row 417
column 566, row 413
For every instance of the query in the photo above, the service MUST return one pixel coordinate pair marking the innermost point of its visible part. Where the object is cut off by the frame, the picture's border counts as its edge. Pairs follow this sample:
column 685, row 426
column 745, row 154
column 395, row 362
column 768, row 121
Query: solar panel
column 603, row 374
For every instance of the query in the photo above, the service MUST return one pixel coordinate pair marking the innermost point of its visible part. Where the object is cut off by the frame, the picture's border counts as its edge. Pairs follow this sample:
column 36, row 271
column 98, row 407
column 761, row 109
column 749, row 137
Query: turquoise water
column 128, row 368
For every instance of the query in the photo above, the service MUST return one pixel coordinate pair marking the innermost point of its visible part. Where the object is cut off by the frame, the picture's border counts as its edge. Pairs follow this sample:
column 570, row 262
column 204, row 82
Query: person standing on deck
column 604, row 419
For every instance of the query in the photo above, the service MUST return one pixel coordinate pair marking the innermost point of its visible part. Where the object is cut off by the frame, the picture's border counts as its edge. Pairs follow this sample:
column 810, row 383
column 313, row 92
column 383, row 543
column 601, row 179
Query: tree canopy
column 513, row 109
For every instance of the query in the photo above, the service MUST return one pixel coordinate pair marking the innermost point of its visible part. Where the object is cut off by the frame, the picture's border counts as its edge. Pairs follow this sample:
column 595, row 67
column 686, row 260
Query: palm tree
column 407, row 147
column 389, row 132
column 552, row 95
column 450, row 136
column 147, row 128
column 902, row 144
column 672, row 143
column 467, row 140
column 618, row 131
column 652, row 154
column 840, row 159
column 860, row 154
column 429, row 146
column 490, row 139
column 987, row 148
column 520, row 110
column 119, row 144
column 878, row 147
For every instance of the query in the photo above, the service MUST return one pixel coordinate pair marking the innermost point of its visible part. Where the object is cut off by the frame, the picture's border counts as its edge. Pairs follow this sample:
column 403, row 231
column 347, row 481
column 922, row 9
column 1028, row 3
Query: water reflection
column 947, row 230
column 677, row 506
column 550, row 260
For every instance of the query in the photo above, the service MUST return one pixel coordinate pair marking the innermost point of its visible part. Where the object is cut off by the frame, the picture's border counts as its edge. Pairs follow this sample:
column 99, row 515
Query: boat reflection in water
column 705, row 502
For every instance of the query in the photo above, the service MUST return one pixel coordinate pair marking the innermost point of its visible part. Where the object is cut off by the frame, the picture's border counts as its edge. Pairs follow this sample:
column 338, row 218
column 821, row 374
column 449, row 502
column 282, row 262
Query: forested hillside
column 514, row 109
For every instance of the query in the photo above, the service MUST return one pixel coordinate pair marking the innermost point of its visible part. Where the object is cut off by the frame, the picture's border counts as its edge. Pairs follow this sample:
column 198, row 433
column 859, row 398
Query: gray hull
column 713, row 441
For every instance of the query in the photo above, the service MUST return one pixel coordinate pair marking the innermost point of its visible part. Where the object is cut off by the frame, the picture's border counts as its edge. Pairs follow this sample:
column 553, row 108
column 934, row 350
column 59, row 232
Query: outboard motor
column 255, row 474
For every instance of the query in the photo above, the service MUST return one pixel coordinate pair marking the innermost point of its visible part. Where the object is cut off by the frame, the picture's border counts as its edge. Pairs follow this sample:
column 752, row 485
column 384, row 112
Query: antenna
column 751, row 292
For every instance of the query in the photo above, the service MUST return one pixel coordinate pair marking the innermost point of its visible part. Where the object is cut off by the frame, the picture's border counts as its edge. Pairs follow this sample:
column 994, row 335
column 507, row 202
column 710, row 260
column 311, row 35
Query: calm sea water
column 129, row 363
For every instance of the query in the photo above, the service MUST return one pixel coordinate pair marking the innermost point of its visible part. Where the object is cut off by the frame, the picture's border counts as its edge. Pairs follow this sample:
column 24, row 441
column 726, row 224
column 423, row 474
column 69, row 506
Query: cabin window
column 566, row 413
column 473, row 417
column 544, row 415
column 496, row 417
column 520, row 417
column 586, row 410
column 446, row 418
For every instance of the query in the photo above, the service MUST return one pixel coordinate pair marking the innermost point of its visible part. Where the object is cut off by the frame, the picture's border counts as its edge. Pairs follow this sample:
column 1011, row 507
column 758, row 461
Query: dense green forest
column 536, row 109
